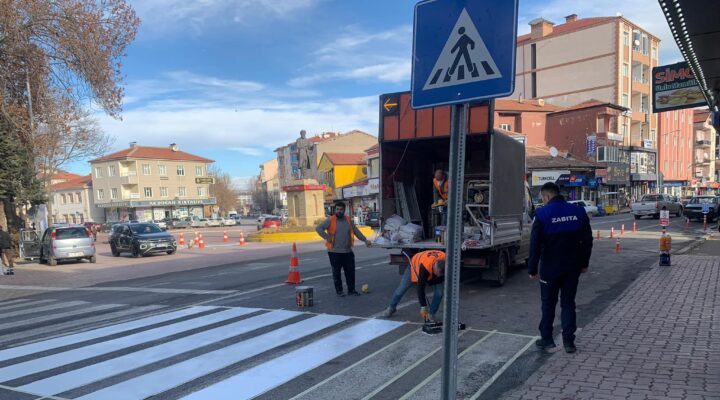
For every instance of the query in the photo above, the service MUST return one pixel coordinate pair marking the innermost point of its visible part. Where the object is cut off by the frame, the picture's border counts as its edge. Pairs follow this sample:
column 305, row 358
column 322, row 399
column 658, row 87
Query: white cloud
column 645, row 13
column 174, row 15
column 249, row 151
column 357, row 55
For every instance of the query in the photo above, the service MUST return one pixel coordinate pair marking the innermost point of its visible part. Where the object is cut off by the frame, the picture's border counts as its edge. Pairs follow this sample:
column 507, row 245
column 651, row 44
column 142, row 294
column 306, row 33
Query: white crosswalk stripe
column 211, row 352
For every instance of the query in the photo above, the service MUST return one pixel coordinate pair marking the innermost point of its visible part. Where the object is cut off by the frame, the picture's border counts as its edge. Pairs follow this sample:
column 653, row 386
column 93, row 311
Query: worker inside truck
column 441, row 194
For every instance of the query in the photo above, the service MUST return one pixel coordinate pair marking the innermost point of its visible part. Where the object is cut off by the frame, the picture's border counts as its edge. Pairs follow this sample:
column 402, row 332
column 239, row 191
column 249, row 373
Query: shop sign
column 540, row 178
column 158, row 203
column 648, row 144
column 591, row 145
column 205, row 181
column 675, row 88
column 618, row 174
column 569, row 180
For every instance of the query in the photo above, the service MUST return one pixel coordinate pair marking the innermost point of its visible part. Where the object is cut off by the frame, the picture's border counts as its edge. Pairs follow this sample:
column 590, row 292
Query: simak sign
column 675, row 88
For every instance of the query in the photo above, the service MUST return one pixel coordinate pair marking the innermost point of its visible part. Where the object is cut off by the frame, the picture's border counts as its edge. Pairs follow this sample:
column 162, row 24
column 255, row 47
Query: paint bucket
column 304, row 296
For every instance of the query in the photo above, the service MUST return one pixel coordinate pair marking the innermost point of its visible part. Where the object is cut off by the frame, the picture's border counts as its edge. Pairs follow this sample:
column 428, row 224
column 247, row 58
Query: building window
column 163, row 191
column 201, row 191
column 666, row 140
column 162, row 171
column 674, row 167
column 113, row 193
column 625, row 100
column 675, row 113
column 62, row 199
column 111, row 170
column 625, row 69
column 675, row 141
column 624, row 130
column 78, row 196
column 181, row 170
column 148, row 191
column 507, row 127
column 682, row 117
column 199, row 171
column 533, row 85
column 626, row 38
column 98, row 172
column 636, row 40
column 533, row 56
column 654, row 53
column 100, row 194
column 667, row 165
column 182, row 191
column 645, row 44
column 146, row 169
column 653, row 137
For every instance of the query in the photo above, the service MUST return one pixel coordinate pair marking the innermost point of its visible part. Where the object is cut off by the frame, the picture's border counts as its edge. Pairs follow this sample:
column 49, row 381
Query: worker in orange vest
column 428, row 268
column 441, row 193
column 339, row 233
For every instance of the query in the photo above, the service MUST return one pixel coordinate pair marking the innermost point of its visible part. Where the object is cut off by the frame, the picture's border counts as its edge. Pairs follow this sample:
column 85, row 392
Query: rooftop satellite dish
column 553, row 152
column 637, row 43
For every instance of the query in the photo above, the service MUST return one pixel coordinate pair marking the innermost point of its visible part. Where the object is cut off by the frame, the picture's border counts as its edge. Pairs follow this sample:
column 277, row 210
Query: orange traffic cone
column 598, row 234
column 201, row 244
column 617, row 246
column 181, row 242
column 634, row 227
column 294, row 273
column 242, row 238
column 612, row 232
column 225, row 237
column 622, row 230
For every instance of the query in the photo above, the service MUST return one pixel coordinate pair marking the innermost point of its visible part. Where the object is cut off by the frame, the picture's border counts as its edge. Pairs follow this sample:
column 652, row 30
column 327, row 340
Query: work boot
column 388, row 312
column 569, row 346
column 340, row 294
column 545, row 343
column 353, row 293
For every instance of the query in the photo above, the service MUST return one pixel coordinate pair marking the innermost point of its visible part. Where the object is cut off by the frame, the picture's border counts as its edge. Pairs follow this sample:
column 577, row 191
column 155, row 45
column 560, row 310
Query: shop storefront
column 643, row 171
column 574, row 185
column 362, row 195
column 156, row 210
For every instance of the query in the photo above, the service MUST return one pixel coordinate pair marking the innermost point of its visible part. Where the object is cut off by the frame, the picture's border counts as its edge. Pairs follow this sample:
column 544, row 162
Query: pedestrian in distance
column 339, row 233
column 6, row 254
column 427, row 268
column 560, row 249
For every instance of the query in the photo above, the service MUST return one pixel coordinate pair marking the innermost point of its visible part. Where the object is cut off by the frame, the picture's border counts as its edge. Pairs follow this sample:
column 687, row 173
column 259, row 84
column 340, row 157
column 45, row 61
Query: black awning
column 695, row 26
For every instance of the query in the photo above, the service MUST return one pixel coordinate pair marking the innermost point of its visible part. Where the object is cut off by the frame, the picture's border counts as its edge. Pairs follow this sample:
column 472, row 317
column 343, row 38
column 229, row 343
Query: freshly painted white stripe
column 14, row 306
column 59, row 359
column 436, row 373
column 83, row 376
column 6, row 302
column 258, row 380
column 115, row 289
column 48, row 307
column 62, row 329
column 499, row 372
column 97, row 333
column 379, row 263
column 167, row 378
column 54, row 316
column 335, row 375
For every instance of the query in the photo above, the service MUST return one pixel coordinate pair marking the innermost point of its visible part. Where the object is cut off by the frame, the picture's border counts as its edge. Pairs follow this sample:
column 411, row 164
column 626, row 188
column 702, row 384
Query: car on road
column 199, row 223
column 160, row 223
column 179, row 223
column 270, row 222
column 590, row 209
column 66, row 242
column 142, row 239
column 373, row 219
column 694, row 208
column 652, row 204
column 214, row 222
column 228, row 221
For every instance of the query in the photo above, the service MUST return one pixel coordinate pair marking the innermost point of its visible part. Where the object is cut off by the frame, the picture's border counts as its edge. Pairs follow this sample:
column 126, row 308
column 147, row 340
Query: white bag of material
column 412, row 229
column 382, row 240
column 394, row 223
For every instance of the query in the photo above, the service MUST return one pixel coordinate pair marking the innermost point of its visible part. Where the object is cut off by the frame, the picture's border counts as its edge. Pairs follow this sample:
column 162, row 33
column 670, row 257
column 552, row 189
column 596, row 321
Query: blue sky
column 234, row 79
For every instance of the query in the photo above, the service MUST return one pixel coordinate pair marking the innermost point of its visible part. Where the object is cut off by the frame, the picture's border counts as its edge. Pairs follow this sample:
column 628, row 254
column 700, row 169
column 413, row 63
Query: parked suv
column 66, row 242
column 142, row 239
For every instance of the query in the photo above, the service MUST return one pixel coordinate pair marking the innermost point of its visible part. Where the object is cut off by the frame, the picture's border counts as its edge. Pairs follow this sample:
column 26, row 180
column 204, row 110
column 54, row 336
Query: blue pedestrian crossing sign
column 463, row 51
column 706, row 208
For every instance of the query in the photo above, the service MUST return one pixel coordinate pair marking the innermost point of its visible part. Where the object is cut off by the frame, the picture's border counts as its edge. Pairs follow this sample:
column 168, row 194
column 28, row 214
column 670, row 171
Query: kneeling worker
column 428, row 268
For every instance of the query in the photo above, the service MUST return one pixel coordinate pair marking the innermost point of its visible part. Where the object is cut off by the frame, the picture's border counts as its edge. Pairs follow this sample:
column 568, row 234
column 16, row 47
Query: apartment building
column 706, row 153
column 152, row 183
column 350, row 142
column 608, row 59
column 675, row 150
column 270, row 186
column 72, row 202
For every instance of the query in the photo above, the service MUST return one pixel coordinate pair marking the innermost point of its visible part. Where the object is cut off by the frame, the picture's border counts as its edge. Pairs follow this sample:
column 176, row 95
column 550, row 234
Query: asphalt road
column 233, row 331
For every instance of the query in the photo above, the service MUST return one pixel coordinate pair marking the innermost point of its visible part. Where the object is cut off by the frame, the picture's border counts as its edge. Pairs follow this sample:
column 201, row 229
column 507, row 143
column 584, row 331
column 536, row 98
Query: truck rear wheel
column 500, row 271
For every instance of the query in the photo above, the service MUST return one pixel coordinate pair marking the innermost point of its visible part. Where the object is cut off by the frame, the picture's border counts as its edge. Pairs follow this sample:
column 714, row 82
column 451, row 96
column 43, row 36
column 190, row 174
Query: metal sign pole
column 458, row 131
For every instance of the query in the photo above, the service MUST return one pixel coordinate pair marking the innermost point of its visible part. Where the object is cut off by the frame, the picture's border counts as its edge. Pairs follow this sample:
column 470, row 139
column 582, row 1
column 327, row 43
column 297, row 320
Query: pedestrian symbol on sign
column 464, row 51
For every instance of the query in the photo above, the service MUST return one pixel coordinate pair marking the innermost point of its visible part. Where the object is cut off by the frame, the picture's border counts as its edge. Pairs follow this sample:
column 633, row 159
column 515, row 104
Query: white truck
column 652, row 204
column 497, row 210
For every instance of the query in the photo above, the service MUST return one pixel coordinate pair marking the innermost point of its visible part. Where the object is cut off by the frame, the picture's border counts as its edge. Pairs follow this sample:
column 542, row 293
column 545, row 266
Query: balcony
column 703, row 143
column 615, row 136
column 702, row 161
column 129, row 179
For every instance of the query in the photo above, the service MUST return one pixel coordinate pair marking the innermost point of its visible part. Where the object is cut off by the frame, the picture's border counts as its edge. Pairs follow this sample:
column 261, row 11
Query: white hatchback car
column 590, row 208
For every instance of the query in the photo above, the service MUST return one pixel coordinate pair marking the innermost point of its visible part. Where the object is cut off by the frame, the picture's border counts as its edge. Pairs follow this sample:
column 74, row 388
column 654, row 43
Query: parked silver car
column 66, row 242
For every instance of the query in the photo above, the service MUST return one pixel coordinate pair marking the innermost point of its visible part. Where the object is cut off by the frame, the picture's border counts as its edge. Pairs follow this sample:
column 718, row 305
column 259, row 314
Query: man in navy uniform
column 561, row 245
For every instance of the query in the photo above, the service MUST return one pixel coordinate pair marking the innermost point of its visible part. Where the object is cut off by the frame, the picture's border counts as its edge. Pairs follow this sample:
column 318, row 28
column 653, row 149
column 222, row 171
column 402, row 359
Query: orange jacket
column 426, row 260
column 442, row 191
column 330, row 243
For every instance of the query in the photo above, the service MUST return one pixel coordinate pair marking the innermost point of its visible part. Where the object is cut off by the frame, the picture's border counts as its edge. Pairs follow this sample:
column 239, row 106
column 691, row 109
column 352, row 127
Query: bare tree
column 223, row 191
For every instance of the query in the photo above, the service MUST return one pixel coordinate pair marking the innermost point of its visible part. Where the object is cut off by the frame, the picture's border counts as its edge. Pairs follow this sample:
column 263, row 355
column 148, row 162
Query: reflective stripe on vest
column 333, row 228
column 443, row 193
column 424, row 259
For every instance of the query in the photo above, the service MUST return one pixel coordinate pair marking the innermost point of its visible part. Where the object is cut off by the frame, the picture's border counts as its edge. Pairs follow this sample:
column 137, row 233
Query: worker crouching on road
column 339, row 233
column 561, row 245
column 427, row 268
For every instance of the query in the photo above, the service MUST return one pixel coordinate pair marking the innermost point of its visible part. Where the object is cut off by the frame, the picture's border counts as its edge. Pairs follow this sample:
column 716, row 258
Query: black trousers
column 566, row 286
column 346, row 262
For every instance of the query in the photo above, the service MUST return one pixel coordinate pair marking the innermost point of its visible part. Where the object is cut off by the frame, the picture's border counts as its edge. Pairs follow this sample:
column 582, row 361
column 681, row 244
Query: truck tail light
column 657, row 204
column 53, row 235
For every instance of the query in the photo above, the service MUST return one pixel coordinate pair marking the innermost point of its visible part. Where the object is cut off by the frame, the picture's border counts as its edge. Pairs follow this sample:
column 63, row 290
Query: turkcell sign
column 463, row 51
column 540, row 178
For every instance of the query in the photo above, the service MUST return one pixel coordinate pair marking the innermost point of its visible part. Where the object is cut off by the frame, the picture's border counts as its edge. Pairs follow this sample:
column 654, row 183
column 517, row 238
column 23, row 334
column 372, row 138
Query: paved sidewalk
column 659, row 340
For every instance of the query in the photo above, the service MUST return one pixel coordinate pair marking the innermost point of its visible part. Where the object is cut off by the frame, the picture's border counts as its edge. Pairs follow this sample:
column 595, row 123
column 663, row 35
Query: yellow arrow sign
column 388, row 105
